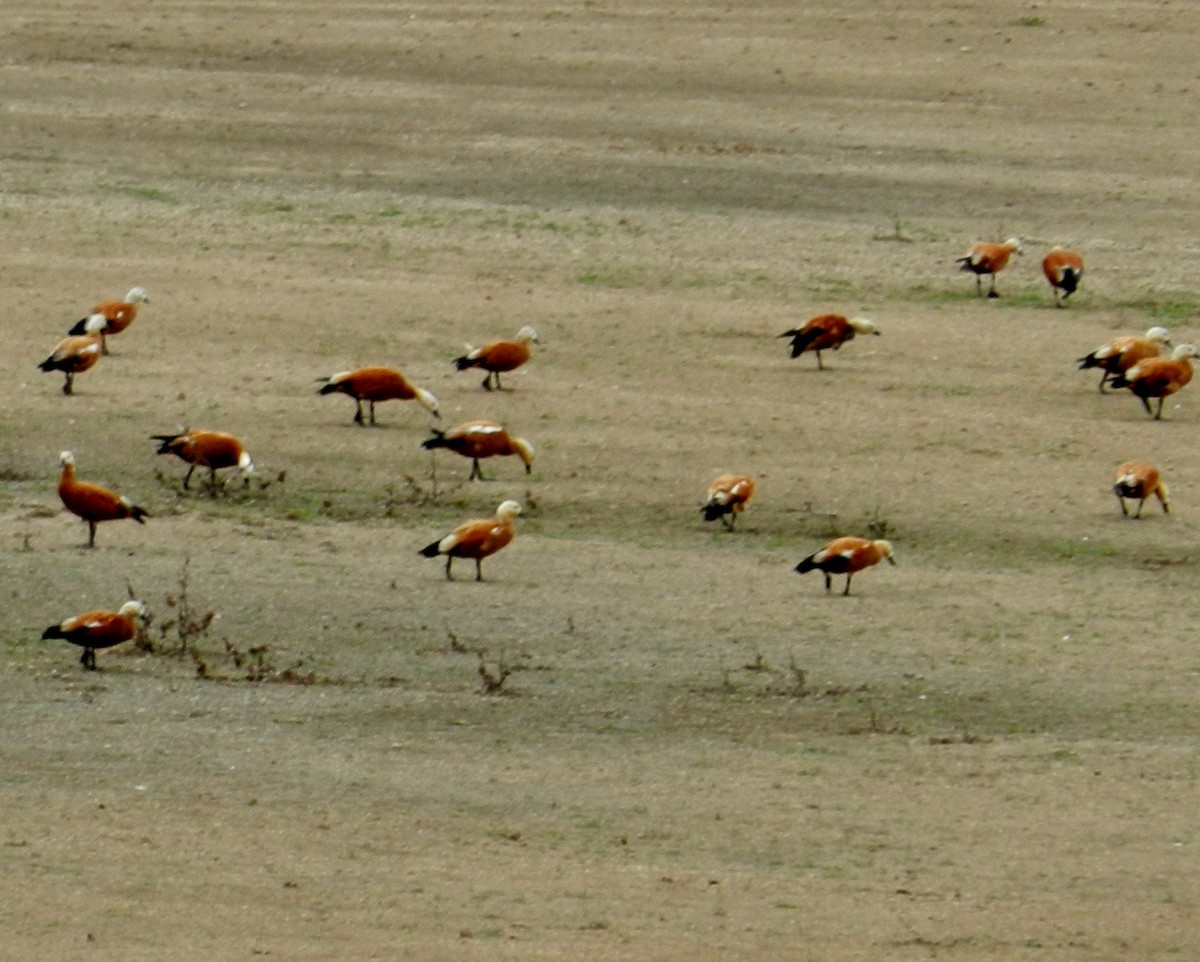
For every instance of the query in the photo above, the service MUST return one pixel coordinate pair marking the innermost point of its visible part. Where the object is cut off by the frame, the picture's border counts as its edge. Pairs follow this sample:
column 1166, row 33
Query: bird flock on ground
column 1132, row 362
column 217, row 451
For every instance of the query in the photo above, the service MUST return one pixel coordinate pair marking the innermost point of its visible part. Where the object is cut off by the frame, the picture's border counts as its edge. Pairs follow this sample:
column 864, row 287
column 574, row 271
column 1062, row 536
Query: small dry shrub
column 184, row 635
column 494, row 676
column 189, row 623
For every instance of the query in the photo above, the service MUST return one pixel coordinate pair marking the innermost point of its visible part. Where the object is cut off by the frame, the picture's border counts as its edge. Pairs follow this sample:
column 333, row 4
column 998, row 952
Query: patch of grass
column 906, row 233
column 949, row 390
column 155, row 194
column 960, row 290
column 1061, row 549
column 413, row 219
column 618, row 278
column 523, row 221
column 269, row 207
column 1168, row 310
column 833, row 286
column 1031, row 297
column 930, row 296
column 515, row 220
column 1030, row 21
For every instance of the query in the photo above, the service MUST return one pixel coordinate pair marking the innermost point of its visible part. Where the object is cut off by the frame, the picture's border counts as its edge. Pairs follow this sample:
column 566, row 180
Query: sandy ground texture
column 642, row 737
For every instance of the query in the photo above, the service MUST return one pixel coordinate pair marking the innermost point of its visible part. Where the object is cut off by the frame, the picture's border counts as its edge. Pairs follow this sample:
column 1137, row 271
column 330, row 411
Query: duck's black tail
column 437, row 441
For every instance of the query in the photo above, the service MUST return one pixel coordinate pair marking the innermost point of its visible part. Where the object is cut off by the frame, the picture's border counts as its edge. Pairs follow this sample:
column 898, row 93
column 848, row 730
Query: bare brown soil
column 987, row 752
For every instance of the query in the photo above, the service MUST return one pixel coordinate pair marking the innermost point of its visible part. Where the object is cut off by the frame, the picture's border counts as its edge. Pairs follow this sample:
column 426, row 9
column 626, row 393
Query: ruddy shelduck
column 73, row 355
column 214, row 450
column 1122, row 353
column 827, row 332
column 728, row 496
column 499, row 356
column 987, row 258
column 476, row 539
column 94, row 630
column 375, row 384
column 91, row 502
column 478, row 440
column 1137, row 480
column 1064, row 270
column 112, row 317
column 845, row 556
column 1159, row 377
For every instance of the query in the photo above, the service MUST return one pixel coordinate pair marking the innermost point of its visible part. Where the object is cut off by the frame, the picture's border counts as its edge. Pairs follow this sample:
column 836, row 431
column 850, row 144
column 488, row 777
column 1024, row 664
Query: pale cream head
column 66, row 458
column 527, row 334
column 1159, row 335
column 524, row 450
column 132, row 609
column 427, row 401
column 508, row 510
column 862, row 326
column 137, row 295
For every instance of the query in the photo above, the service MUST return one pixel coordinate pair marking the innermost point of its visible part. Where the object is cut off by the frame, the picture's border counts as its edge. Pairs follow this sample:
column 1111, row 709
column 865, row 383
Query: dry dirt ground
column 986, row 752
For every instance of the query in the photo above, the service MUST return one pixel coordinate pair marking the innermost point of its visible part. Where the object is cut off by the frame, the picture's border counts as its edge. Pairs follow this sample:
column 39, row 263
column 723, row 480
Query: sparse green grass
column 498, row 219
column 1169, row 310
column 156, row 195
column 268, row 207
column 618, row 278
column 904, row 232
column 960, row 289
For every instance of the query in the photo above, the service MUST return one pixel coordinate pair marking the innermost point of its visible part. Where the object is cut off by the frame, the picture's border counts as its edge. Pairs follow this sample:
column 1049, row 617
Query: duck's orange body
column 1122, row 353
column 476, row 539
column 988, row 258
column 1158, row 377
column 1137, row 480
column 728, row 496
column 1063, row 269
column 478, row 440
column 111, row 317
column 91, row 502
column 73, row 355
column 827, row 332
column 94, row 630
column 375, row 384
column 499, row 356
column 214, row 450
column 846, row 556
